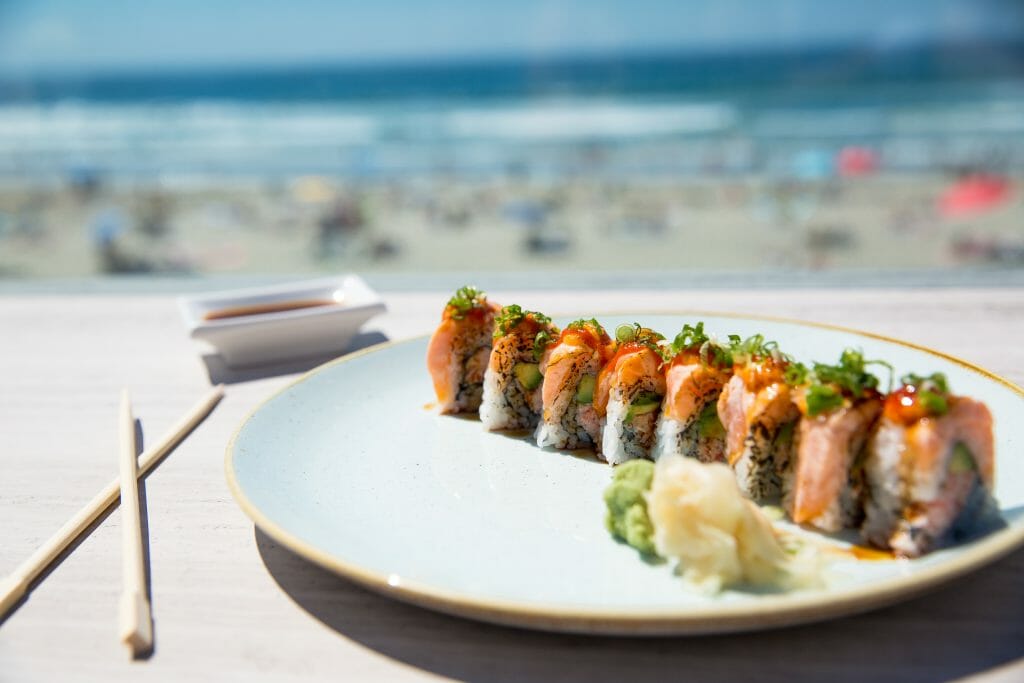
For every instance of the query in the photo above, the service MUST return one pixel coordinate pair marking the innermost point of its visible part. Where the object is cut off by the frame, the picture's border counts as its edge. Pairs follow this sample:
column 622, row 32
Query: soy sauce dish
column 266, row 324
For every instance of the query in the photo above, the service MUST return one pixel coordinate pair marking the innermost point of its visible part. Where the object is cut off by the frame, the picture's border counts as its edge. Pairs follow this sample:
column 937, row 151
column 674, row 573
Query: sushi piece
column 569, row 418
column 512, row 382
column 459, row 350
column 839, row 405
column 630, row 389
column 758, row 414
column 696, row 370
column 929, row 468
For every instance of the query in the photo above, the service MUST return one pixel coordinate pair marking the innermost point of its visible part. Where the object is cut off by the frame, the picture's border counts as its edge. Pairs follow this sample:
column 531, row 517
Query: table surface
column 229, row 603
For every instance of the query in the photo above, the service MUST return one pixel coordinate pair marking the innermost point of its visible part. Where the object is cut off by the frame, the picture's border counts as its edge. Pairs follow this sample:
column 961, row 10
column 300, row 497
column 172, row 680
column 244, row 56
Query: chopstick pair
column 15, row 586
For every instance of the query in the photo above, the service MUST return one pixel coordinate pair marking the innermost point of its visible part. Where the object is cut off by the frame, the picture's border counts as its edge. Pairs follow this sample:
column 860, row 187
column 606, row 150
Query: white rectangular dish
column 265, row 324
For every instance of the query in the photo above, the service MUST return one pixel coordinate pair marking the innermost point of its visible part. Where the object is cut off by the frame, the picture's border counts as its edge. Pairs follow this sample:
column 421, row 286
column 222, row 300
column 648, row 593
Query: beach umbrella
column 975, row 194
column 855, row 161
column 812, row 164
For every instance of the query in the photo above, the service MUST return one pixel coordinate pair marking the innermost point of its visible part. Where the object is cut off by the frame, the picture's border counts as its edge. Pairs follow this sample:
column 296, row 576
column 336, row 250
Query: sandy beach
column 313, row 224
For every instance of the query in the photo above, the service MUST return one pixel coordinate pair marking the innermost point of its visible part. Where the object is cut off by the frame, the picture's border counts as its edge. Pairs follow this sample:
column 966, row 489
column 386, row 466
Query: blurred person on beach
column 338, row 226
column 108, row 229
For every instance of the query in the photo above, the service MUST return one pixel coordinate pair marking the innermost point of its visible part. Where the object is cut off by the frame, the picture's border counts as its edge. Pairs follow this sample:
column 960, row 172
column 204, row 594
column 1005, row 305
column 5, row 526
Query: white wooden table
column 230, row 604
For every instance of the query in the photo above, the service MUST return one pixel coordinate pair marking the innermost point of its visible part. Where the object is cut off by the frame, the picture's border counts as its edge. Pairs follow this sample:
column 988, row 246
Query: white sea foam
column 588, row 120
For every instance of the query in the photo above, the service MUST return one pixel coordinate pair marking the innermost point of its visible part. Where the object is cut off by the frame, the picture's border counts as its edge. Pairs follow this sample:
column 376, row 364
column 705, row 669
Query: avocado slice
column 784, row 437
column 646, row 402
column 961, row 460
column 585, row 390
column 528, row 375
column 708, row 424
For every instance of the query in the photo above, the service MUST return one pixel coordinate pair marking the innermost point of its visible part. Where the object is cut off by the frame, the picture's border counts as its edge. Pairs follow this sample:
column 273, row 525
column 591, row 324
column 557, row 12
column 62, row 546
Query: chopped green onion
column 711, row 352
column 512, row 315
column 715, row 355
column 849, row 374
column 827, row 385
column 935, row 382
column 625, row 333
column 887, row 366
column 540, row 344
column 931, row 392
column 822, row 398
column 689, row 336
column 465, row 299
column 934, row 403
column 796, row 374
column 582, row 323
column 753, row 347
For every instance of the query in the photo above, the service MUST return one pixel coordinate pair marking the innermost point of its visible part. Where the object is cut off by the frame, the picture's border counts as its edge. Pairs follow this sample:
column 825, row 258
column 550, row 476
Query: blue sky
column 87, row 35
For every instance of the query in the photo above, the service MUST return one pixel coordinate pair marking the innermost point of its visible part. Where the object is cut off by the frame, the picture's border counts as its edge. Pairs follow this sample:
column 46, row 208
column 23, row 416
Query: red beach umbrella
column 856, row 161
column 974, row 194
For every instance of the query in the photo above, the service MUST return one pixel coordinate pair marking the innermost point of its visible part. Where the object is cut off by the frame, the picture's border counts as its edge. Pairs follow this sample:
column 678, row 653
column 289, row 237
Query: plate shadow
column 972, row 625
column 222, row 373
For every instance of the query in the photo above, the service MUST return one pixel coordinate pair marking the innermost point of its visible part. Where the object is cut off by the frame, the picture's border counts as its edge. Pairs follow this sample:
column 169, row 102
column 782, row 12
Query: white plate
column 348, row 468
column 265, row 337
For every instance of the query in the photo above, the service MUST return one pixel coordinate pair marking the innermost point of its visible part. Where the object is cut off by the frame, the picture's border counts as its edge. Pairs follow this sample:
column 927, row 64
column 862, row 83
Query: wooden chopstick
column 16, row 585
column 136, row 618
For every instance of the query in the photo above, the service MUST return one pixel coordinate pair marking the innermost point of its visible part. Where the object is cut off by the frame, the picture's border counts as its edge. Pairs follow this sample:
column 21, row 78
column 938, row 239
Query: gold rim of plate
column 766, row 612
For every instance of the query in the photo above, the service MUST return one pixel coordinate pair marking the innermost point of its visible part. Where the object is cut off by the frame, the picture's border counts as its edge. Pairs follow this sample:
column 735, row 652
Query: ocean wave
column 818, row 123
column 567, row 135
column 996, row 117
column 575, row 121
column 63, row 123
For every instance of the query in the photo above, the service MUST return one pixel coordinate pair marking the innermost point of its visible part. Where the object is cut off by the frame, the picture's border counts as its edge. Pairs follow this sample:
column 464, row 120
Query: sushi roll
column 839, row 405
column 569, row 418
column 630, row 389
column 696, row 370
column 512, row 382
column 459, row 350
column 758, row 414
column 929, row 468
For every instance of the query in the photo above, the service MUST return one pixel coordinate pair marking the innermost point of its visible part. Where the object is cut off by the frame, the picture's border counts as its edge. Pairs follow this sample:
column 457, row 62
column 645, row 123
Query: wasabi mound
column 627, row 507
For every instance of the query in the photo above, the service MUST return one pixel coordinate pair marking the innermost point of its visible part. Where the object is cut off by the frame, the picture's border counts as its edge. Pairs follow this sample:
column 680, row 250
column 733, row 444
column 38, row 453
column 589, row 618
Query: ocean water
column 670, row 116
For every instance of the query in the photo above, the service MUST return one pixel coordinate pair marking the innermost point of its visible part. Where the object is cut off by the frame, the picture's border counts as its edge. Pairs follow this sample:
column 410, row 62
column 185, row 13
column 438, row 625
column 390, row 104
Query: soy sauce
column 270, row 307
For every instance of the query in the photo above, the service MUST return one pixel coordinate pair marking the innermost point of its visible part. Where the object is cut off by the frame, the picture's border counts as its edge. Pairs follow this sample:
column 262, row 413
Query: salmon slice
column 442, row 366
column 508, row 403
column 566, row 365
column 691, row 390
column 754, row 419
column 688, row 388
column 457, row 356
column 629, row 374
column 930, row 442
column 733, row 414
column 633, row 374
column 918, row 494
column 822, row 492
column 566, row 421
